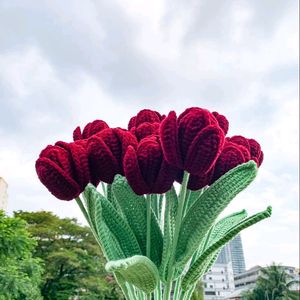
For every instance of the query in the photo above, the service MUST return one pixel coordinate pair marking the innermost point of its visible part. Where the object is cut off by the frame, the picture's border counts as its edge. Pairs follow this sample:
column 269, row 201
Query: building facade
column 233, row 252
column 218, row 282
column 247, row 279
column 3, row 194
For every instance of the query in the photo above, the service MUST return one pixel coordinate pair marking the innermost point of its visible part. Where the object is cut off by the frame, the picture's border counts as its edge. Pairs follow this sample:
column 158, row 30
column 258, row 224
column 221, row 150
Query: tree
column 20, row 274
column 198, row 293
column 74, row 263
column 274, row 283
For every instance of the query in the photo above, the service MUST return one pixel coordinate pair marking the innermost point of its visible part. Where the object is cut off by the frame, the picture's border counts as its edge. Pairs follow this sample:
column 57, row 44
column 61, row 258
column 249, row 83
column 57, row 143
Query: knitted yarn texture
column 162, row 184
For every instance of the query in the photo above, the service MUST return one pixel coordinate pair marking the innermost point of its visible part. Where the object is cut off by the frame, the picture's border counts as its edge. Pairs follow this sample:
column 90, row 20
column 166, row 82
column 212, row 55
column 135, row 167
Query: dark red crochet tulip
column 106, row 151
column 89, row 130
column 145, row 115
column 145, row 168
column 193, row 141
column 145, row 123
column 223, row 122
column 63, row 169
column 237, row 150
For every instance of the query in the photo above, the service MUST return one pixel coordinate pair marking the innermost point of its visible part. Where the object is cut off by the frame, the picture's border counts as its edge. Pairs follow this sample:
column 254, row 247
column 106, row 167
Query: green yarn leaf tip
column 223, row 225
column 137, row 270
column 203, row 213
column 114, row 233
column 133, row 208
column 206, row 259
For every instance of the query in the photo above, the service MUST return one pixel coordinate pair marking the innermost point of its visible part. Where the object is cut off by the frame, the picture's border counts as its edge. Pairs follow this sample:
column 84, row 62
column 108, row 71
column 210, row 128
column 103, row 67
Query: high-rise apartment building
column 233, row 252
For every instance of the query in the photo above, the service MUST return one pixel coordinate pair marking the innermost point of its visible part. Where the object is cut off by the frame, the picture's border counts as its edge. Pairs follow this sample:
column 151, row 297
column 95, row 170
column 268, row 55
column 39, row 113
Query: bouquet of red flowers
column 158, row 240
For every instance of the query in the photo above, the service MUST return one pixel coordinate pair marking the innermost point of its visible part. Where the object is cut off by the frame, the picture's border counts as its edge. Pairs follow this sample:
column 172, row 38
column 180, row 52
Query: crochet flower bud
column 63, row 169
column 145, row 123
column 89, row 130
column 193, row 141
column 237, row 150
column 106, row 151
column 146, row 169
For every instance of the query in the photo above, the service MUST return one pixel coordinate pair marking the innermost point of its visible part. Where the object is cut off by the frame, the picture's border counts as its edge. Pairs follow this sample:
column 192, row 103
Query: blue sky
column 65, row 63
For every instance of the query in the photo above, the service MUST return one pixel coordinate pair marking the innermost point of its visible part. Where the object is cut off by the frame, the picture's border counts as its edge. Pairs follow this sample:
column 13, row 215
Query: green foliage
column 20, row 274
column 169, row 227
column 133, row 208
column 198, row 293
column 72, row 258
column 109, row 220
column 208, row 256
column 137, row 270
column 209, row 205
column 274, row 283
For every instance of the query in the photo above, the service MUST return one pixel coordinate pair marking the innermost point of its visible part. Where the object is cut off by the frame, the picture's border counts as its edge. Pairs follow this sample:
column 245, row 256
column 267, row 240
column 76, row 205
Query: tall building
column 218, row 282
column 233, row 252
column 3, row 194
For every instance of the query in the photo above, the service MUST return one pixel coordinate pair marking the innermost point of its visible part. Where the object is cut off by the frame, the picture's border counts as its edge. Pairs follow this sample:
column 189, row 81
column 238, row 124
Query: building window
column 210, row 293
column 211, row 286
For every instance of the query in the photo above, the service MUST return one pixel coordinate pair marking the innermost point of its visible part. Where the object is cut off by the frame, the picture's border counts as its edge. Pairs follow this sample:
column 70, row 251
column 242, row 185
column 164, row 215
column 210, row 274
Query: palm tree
column 274, row 283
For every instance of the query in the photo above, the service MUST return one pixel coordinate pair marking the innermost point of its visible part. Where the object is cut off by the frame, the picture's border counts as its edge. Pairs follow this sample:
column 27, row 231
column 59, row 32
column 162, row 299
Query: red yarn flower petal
column 146, row 129
column 93, row 128
column 204, row 150
column 126, row 138
column 131, row 123
column 165, row 178
column 59, row 156
column 111, row 139
column 56, row 180
column 255, row 149
column 149, row 155
column 147, row 115
column 240, row 140
column 77, row 134
column 133, row 173
column 223, row 122
column 261, row 158
column 230, row 157
column 169, row 142
column 103, row 165
column 197, row 182
column 190, row 123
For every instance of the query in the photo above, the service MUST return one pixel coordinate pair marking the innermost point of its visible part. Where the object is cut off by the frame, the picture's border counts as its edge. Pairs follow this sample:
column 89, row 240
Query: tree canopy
column 20, row 273
column 274, row 283
column 74, row 263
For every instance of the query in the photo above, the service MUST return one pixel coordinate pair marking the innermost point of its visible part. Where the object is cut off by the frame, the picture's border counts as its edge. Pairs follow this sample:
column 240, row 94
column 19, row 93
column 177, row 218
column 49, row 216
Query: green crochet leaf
column 134, row 210
column 113, row 231
column 169, row 227
column 137, row 270
column 222, row 226
column 193, row 196
column 208, row 206
column 91, row 210
column 201, row 265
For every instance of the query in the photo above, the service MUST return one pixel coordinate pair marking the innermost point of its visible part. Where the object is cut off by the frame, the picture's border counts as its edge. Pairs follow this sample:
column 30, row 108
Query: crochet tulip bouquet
column 162, row 184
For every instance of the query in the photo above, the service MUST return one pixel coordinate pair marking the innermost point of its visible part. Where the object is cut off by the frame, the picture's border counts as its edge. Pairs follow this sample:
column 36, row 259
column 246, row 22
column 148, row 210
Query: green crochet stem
column 180, row 211
column 148, row 248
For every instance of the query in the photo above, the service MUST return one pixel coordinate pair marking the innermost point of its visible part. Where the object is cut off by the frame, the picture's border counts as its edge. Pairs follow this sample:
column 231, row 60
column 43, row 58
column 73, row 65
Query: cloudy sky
column 65, row 63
